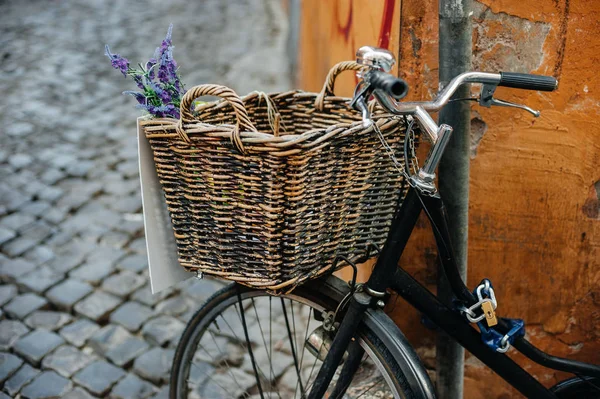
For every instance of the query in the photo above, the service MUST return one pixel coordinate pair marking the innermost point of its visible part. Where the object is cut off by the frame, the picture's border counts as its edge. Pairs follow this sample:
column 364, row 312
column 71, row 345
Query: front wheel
column 245, row 343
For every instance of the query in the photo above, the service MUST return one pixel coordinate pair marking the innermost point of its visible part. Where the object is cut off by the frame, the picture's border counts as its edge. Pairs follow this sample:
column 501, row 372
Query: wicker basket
column 270, row 190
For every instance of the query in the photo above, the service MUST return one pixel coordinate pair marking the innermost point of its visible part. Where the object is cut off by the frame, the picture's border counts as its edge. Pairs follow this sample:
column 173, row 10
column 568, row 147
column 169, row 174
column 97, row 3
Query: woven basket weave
column 270, row 190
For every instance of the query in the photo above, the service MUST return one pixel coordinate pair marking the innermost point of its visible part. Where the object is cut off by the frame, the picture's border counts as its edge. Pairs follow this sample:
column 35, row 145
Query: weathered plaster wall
column 534, row 199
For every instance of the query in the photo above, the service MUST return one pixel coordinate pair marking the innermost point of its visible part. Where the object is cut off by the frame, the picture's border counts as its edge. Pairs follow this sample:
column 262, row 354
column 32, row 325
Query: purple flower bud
column 164, row 95
column 167, row 42
column 150, row 67
column 172, row 68
column 162, row 111
column 154, row 110
column 171, row 110
column 163, row 76
column 140, row 98
column 143, row 107
column 139, row 81
column 118, row 62
column 166, row 68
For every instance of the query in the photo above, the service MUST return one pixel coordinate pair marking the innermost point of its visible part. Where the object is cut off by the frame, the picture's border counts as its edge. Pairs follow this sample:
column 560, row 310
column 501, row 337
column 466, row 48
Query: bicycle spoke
column 294, row 324
column 249, row 345
column 305, row 337
column 287, row 325
column 210, row 377
column 232, row 330
column 371, row 387
column 271, row 341
column 244, row 346
column 312, row 369
column 304, row 347
column 266, row 347
column 226, row 362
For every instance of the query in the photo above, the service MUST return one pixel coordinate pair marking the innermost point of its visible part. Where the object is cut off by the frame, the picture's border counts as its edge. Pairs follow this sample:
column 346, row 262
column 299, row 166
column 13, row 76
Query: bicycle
column 332, row 339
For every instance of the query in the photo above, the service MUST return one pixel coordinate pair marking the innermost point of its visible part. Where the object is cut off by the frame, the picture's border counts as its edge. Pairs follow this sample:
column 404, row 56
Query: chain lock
column 486, row 301
column 487, row 305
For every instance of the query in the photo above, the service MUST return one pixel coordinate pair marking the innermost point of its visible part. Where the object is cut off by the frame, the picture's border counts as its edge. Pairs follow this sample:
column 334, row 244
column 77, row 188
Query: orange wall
column 332, row 31
column 534, row 208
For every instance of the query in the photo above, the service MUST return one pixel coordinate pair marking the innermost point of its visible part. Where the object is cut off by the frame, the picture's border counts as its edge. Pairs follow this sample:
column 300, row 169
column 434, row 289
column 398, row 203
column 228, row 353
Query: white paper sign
column 160, row 241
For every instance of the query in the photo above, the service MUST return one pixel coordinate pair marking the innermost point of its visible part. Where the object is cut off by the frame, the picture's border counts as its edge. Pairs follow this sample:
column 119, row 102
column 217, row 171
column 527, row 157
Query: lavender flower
column 172, row 111
column 141, row 99
column 159, row 81
column 167, row 67
column 117, row 61
column 161, row 111
column 139, row 81
column 150, row 68
column 166, row 43
column 164, row 95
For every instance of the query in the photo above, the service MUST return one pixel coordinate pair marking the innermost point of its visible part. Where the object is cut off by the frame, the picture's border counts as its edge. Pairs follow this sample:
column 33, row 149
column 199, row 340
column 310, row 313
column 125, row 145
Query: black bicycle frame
column 387, row 275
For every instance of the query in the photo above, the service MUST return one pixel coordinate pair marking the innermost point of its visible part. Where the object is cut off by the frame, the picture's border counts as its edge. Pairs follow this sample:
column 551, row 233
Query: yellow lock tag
column 490, row 315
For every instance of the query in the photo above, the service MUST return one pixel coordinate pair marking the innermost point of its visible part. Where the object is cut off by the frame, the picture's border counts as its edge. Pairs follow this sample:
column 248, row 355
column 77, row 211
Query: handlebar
column 391, row 85
column 507, row 79
column 528, row 81
column 387, row 89
column 409, row 107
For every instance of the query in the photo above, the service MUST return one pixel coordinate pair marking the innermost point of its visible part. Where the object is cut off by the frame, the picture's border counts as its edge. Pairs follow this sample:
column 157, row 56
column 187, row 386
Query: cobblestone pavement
column 77, row 317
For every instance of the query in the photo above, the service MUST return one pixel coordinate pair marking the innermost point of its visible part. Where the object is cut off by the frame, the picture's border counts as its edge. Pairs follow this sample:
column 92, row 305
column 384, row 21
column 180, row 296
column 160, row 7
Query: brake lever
column 503, row 103
column 486, row 99
column 358, row 102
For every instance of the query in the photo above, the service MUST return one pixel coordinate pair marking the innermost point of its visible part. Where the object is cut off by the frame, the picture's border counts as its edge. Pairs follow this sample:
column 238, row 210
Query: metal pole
column 455, row 41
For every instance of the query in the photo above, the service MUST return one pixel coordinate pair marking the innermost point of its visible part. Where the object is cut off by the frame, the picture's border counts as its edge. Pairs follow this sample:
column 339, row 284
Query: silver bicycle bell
column 376, row 58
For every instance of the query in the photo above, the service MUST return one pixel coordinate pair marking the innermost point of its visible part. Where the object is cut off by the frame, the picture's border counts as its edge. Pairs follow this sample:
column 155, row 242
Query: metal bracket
column 487, row 95
column 371, row 292
column 371, row 245
column 351, row 264
column 497, row 341
column 425, row 184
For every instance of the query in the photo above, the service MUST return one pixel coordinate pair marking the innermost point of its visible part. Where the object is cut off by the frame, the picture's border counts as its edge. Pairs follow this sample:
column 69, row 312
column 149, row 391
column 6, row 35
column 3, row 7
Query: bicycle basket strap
column 242, row 120
column 327, row 89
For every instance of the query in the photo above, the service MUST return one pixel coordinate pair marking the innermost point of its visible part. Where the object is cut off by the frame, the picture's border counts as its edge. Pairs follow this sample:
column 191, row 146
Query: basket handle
column 327, row 89
column 228, row 95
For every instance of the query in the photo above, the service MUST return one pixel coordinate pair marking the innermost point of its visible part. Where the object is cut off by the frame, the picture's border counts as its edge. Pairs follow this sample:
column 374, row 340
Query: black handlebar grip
column 528, row 81
column 392, row 85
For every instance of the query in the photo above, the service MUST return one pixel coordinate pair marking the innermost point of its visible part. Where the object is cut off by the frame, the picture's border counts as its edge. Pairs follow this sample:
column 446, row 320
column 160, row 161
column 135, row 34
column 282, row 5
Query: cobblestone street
column 77, row 317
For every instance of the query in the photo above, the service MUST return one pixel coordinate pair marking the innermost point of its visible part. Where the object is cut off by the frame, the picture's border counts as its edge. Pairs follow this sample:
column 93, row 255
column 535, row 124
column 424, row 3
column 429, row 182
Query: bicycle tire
column 383, row 338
